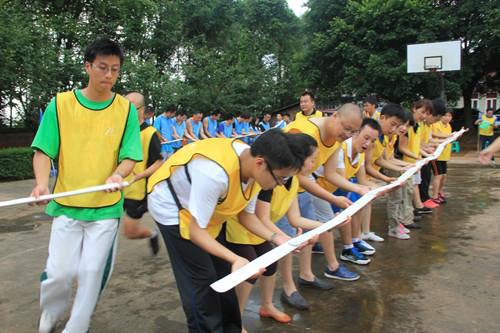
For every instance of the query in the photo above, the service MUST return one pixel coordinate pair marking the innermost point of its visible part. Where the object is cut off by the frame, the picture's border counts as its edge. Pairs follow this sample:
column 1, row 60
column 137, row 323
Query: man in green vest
column 93, row 133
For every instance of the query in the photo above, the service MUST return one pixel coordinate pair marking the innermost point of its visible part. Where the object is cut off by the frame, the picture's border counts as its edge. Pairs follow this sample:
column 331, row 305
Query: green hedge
column 16, row 163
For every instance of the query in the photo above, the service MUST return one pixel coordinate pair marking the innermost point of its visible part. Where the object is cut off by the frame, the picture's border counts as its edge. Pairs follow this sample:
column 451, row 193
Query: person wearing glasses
column 329, row 133
column 271, row 206
column 193, row 194
column 94, row 134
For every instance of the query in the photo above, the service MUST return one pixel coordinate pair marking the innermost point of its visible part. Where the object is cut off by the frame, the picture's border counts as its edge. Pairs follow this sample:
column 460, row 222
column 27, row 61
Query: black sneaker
column 423, row 210
column 413, row 226
column 316, row 283
column 154, row 243
column 417, row 218
column 295, row 300
column 317, row 248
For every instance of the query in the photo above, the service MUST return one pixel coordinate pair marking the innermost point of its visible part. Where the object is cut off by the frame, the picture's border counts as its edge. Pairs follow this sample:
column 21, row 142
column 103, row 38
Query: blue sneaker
column 354, row 256
column 341, row 273
column 364, row 248
column 317, row 248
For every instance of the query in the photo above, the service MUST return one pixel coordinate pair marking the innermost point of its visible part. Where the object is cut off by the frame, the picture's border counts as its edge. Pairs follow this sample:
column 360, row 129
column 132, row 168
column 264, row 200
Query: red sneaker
column 430, row 204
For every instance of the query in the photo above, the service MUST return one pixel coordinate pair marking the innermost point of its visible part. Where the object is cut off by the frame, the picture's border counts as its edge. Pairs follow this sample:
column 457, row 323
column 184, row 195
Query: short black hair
column 171, row 108
column 266, row 113
column 372, row 123
column 103, row 47
column 180, row 113
column 438, row 107
column 490, row 109
column 393, row 110
column 286, row 115
column 409, row 118
column 227, row 116
column 245, row 115
column 372, row 100
column 215, row 113
column 196, row 112
column 279, row 150
column 308, row 93
column 302, row 145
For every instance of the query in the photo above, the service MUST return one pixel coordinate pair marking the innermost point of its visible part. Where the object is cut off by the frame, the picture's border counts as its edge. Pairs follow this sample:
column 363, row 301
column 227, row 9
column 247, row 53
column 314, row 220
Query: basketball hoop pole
column 440, row 79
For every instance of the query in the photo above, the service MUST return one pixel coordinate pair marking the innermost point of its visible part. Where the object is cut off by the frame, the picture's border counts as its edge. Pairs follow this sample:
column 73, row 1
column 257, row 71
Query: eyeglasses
column 280, row 180
column 105, row 69
column 349, row 131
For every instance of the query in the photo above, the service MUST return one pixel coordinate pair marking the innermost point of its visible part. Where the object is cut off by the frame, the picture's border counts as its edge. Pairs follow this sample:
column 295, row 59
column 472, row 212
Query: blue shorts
column 306, row 207
column 353, row 196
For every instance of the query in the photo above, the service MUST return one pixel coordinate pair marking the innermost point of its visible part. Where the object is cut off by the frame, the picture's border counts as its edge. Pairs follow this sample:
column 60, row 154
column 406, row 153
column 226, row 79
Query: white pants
column 81, row 249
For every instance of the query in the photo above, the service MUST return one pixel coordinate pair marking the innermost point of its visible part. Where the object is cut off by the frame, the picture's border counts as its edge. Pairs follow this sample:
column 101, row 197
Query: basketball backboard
column 440, row 57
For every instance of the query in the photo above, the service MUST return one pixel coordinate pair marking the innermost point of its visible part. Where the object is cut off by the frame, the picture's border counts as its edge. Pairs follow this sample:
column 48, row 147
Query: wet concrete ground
column 446, row 278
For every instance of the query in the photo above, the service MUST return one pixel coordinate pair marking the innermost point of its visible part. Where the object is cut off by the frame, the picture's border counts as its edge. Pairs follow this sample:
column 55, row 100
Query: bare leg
column 243, row 291
column 436, row 181
column 356, row 223
column 441, row 184
column 416, row 197
column 326, row 240
column 133, row 229
column 266, row 284
column 366, row 217
column 305, row 258
column 346, row 233
column 285, row 267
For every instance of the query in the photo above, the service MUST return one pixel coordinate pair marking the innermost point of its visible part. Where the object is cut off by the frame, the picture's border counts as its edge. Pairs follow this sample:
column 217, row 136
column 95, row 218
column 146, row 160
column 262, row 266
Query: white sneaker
column 371, row 236
column 404, row 229
column 47, row 323
column 398, row 233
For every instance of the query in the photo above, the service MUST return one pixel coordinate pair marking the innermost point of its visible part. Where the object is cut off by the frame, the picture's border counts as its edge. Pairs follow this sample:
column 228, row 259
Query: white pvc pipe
column 28, row 200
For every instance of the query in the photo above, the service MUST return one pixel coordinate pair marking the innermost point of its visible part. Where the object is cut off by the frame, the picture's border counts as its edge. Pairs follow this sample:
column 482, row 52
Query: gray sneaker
column 316, row 283
column 295, row 300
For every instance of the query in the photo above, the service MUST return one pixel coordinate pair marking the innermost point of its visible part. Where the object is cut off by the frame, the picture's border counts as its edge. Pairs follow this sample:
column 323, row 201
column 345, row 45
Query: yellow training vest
column 378, row 149
column 391, row 145
column 221, row 151
column 281, row 201
column 308, row 127
column 315, row 114
column 413, row 143
column 426, row 132
column 446, row 130
column 349, row 171
column 137, row 191
column 486, row 125
column 89, row 146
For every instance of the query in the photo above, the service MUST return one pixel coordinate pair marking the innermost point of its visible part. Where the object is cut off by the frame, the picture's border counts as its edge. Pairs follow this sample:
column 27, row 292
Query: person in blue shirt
column 242, row 126
column 193, row 127
column 280, row 122
column 265, row 123
column 226, row 129
column 164, row 125
column 179, row 130
column 148, row 116
column 210, row 124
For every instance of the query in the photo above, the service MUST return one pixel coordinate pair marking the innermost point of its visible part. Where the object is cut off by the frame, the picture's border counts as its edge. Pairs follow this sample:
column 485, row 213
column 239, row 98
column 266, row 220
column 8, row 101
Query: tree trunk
column 467, row 95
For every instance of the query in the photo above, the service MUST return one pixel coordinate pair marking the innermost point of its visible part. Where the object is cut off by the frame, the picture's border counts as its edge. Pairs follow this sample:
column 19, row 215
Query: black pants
column 423, row 188
column 486, row 141
column 206, row 310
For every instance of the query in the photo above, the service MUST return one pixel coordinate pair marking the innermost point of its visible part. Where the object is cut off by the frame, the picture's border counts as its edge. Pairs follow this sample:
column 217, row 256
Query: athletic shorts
column 353, row 196
column 135, row 208
column 417, row 179
column 306, row 207
column 440, row 167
